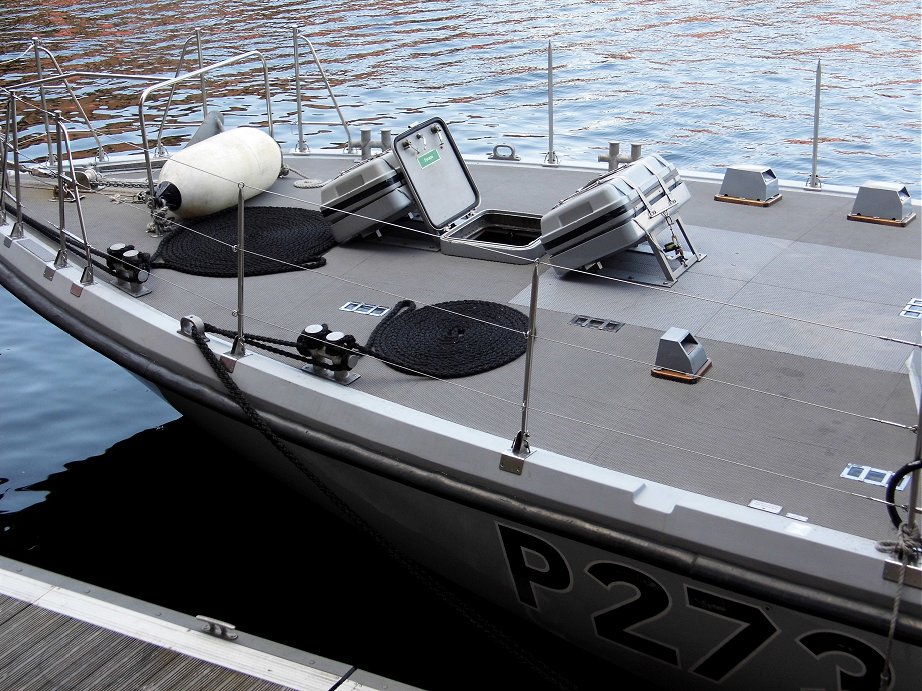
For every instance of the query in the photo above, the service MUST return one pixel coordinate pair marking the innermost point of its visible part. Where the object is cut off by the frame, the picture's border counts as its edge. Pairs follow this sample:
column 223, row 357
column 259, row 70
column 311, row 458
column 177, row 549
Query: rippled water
column 100, row 480
column 705, row 84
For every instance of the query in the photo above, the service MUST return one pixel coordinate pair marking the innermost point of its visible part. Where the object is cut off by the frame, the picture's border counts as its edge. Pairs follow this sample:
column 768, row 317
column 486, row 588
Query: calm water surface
column 102, row 481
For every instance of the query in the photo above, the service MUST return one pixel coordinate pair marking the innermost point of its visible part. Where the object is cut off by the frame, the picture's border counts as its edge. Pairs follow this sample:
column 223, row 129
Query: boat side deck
column 786, row 406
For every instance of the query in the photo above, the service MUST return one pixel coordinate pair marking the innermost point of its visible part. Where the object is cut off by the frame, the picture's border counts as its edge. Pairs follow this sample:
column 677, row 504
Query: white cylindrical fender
column 204, row 177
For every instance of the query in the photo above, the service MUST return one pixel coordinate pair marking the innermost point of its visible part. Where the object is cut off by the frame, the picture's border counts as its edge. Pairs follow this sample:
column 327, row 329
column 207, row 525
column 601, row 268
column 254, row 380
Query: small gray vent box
column 882, row 202
column 680, row 351
column 753, row 183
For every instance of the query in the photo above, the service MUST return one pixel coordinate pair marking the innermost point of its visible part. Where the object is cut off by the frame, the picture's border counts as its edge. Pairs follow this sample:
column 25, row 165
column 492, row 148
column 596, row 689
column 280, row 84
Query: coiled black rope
column 278, row 239
column 445, row 340
column 410, row 565
column 449, row 339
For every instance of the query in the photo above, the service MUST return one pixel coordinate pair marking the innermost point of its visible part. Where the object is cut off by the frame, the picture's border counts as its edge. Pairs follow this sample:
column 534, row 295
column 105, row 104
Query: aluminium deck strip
column 56, row 633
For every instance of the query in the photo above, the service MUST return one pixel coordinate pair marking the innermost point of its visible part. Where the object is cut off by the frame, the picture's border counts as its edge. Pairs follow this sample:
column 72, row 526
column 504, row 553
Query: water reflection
column 182, row 522
column 645, row 72
column 60, row 401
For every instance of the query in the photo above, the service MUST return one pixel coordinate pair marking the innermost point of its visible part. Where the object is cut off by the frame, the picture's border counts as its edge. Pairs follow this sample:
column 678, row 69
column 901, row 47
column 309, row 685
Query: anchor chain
column 94, row 180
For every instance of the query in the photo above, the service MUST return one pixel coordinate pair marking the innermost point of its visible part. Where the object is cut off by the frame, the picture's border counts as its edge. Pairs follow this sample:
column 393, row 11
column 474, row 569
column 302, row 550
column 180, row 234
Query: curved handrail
column 11, row 141
column 65, row 78
column 101, row 154
column 296, row 34
column 189, row 75
column 37, row 46
column 64, row 149
column 197, row 37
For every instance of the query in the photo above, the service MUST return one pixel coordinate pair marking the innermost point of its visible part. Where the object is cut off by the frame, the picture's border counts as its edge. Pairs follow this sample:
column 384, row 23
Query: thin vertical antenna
column 551, row 157
column 814, row 182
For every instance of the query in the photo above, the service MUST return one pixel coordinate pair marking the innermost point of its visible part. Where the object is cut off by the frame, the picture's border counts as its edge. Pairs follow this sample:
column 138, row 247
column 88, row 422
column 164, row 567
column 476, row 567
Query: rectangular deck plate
column 764, row 506
column 511, row 463
column 913, row 577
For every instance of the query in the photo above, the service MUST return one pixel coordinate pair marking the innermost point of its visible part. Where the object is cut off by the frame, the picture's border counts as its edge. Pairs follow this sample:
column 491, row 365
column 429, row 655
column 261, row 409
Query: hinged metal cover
column 435, row 173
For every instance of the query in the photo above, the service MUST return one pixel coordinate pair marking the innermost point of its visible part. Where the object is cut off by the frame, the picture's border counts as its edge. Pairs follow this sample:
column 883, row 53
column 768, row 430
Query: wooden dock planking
column 68, row 635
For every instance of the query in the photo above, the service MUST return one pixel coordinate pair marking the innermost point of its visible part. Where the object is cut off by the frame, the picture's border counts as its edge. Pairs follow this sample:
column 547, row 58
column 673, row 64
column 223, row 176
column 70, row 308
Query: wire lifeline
column 45, row 230
column 449, row 598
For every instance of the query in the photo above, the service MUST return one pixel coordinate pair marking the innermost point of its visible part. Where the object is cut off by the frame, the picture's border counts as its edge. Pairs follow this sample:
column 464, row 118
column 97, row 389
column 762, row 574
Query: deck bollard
column 614, row 157
column 385, row 143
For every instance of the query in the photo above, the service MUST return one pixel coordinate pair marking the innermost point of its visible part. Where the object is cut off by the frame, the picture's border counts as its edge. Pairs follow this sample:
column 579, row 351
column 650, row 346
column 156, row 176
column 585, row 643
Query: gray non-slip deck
column 787, row 405
column 57, row 634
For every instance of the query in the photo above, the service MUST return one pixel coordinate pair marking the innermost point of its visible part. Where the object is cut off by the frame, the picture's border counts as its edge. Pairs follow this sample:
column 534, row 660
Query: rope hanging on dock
column 449, row 339
column 277, row 239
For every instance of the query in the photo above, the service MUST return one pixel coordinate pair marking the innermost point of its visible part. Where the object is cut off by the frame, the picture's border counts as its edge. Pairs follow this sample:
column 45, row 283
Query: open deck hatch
column 445, row 192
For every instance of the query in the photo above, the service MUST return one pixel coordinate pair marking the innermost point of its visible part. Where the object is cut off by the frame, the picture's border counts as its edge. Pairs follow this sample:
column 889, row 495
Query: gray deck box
column 613, row 213
column 362, row 198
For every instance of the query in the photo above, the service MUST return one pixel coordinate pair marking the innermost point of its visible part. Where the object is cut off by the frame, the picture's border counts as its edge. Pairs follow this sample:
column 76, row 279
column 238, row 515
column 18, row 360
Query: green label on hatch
column 428, row 158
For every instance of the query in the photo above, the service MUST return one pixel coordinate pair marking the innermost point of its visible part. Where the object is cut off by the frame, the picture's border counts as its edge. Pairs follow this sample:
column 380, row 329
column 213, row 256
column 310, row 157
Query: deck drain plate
column 872, row 476
column 913, row 309
column 365, row 308
column 594, row 323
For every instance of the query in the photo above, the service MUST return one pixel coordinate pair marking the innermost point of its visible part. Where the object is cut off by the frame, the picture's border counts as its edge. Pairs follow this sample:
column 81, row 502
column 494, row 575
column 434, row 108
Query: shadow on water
column 172, row 519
